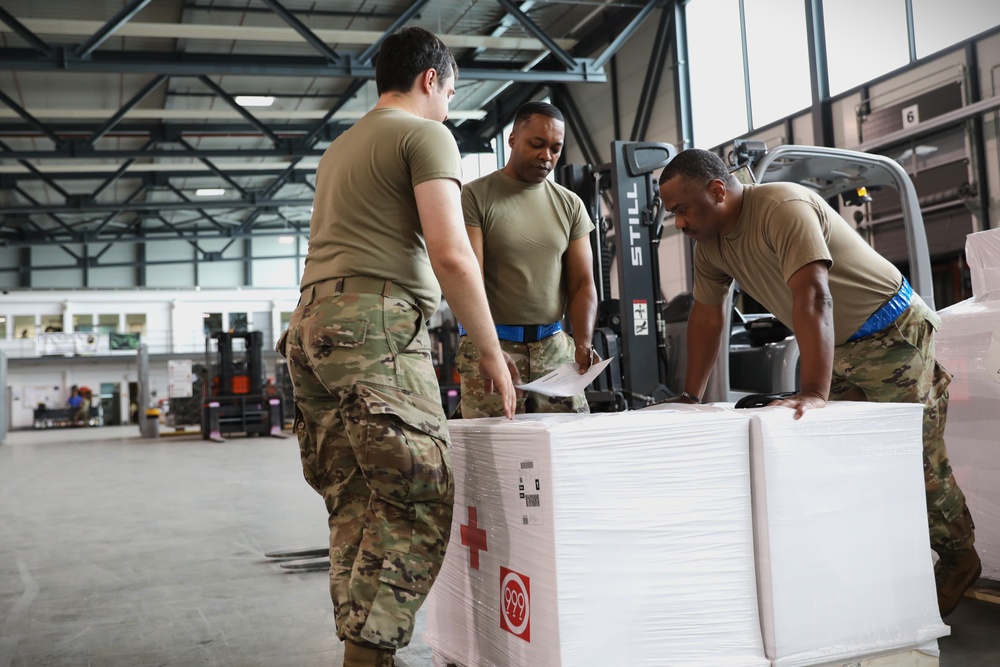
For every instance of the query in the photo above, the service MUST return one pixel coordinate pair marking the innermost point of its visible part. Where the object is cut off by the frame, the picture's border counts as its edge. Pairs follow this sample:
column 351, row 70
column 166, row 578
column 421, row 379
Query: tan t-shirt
column 783, row 227
column 527, row 228
column 365, row 220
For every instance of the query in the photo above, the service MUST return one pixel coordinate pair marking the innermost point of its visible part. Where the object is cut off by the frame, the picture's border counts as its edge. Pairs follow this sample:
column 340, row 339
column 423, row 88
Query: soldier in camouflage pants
column 896, row 365
column 374, row 443
column 533, row 361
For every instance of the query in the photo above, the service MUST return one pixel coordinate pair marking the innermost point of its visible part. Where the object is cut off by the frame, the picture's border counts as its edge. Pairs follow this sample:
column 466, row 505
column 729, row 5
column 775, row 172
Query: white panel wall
column 114, row 276
column 170, row 275
column 9, row 258
column 228, row 273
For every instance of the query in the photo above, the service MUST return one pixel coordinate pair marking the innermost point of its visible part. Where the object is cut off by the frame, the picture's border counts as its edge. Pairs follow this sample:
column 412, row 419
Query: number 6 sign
column 515, row 603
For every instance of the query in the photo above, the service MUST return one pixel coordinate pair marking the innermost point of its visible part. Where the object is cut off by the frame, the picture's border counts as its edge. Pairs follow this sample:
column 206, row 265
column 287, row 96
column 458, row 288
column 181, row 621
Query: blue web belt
column 887, row 314
column 522, row 334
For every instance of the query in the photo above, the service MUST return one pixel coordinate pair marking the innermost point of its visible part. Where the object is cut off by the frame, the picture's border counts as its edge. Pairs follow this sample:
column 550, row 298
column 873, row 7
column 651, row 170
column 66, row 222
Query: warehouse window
column 136, row 323
column 107, row 323
column 864, row 40
column 779, row 67
column 715, row 61
column 24, row 326
column 938, row 25
column 237, row 322
column 3, row 327
column 212, row 322
column 52, row 323
column 83, row 323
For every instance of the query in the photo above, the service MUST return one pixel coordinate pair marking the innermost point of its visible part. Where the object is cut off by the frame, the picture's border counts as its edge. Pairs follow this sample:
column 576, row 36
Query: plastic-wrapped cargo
column 982, row 253
column 968, row 345
column 843, row 551
column 596, row 540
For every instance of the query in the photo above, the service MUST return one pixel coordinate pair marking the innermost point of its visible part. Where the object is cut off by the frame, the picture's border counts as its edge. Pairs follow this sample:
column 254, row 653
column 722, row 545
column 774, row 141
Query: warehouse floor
column 117, row 551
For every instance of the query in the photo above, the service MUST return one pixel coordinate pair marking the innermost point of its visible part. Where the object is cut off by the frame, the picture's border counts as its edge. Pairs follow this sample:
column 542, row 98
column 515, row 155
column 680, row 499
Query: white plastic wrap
column 982, row 252
column 968, row 345
column 632, row 544
column 843, row 551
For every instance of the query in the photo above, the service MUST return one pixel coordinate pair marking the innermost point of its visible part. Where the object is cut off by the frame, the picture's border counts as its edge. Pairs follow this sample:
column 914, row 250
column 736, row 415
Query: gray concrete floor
column 117, row 551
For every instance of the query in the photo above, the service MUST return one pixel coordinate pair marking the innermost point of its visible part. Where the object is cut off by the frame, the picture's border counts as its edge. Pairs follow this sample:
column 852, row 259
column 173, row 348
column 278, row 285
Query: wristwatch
column 691, row 397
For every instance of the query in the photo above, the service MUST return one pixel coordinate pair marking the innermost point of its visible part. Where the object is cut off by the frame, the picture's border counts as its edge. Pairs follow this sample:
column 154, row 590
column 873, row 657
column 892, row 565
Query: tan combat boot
column 959, row 566
column 356, row 655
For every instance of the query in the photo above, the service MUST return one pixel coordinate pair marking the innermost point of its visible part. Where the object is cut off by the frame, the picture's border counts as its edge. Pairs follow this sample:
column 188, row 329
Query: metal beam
column 560, row 54
column 577, row 125
column 215, row 170
column 411, row 11
column 117, row 175
column 128, row 106
column 119, row 210
column 72, row 152
column 819, row 74
column 682, row 82
column 28, row 118
column 25, row 34
column 654, row 74
column 626, row 34
column 231, row 101
column 303, row 30
column 96, row 207
column 125, row 15
column 49, row 180
column 197, row 64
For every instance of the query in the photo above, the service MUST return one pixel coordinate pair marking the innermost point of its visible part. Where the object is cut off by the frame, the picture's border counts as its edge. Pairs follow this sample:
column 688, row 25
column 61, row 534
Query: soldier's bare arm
column 476, row 239
column 458, row 272
column 812, row 322
column 704, row 336
column 578, row 262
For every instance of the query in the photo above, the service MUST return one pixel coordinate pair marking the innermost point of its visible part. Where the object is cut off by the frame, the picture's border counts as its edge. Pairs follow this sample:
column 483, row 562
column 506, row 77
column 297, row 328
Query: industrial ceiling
column 114, row 113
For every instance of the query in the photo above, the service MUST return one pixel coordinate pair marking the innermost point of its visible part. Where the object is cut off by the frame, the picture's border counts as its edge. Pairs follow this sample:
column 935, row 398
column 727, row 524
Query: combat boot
column 954, row 572
column 356, row 655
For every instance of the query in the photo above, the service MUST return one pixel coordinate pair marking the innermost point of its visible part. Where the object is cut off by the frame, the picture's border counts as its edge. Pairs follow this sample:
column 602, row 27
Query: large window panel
column 715, row 64
column 938, row 25
column 778, row 58
column 864, row 40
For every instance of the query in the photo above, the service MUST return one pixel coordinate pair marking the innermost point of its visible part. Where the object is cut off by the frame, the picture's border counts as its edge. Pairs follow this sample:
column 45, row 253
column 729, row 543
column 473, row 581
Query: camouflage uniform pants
column 897, row 365
column 533, row 361
column 374, row 443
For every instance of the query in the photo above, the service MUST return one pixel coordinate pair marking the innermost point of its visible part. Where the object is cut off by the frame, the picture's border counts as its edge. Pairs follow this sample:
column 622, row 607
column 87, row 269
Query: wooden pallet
column 987, row 593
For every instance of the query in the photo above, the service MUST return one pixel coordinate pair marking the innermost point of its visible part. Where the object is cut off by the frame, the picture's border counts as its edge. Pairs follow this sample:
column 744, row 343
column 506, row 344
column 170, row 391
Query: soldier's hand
column 585, row 357
column 499, row 376
column 802, row 401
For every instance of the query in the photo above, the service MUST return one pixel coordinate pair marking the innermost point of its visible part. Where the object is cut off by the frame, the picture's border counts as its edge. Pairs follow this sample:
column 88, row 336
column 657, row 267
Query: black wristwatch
column 691, row 397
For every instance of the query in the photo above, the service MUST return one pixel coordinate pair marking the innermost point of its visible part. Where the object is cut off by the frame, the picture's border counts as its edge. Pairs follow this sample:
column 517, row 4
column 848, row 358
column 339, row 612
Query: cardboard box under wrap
column 843, row 550
column 968, row 345
column 596, row 540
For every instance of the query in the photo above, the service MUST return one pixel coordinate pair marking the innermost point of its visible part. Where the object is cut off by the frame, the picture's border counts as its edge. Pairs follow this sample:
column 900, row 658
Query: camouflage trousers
column 897, row 365
column 533, row 361
column 374, row 443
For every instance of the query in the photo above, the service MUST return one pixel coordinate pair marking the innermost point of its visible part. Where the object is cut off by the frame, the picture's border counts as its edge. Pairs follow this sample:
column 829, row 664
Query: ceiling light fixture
column 254, row 100
column 286, row 240
column 209, row 192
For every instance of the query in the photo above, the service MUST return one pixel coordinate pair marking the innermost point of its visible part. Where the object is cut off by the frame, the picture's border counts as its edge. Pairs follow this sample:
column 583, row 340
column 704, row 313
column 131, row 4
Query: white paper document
column 565, row 380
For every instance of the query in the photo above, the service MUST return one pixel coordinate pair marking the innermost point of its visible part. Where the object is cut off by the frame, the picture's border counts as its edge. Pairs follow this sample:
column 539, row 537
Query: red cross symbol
column 473, row 537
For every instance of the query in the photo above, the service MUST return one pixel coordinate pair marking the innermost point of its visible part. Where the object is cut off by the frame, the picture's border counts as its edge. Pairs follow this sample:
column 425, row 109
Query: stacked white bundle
column 618, row 539
column 968, row 345
column 843, row 552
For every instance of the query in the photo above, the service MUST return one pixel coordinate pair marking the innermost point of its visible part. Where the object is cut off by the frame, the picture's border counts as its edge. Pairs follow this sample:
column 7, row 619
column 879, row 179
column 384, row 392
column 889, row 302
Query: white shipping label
column 640, row 318
column 529, row 491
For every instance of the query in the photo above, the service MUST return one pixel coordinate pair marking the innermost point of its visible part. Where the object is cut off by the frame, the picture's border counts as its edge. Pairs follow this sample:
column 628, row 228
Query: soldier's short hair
column 407, row 53
column 536, row 108
column 699, row 166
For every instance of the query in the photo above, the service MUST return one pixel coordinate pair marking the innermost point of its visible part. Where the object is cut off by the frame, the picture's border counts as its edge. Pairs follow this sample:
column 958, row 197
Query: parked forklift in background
column 236, row 398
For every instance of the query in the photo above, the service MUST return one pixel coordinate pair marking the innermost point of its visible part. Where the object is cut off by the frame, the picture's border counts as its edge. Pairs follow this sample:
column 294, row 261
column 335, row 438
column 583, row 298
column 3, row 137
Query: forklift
column 646, row 336
column 234, row 397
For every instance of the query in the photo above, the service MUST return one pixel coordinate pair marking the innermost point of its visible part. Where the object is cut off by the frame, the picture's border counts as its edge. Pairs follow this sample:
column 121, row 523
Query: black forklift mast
column 628, row 328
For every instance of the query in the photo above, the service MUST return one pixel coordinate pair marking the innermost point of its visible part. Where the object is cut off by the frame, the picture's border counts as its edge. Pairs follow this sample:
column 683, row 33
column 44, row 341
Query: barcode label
column 527, row 464
column 529, row 493
column 525, row 519
column 531, row 500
